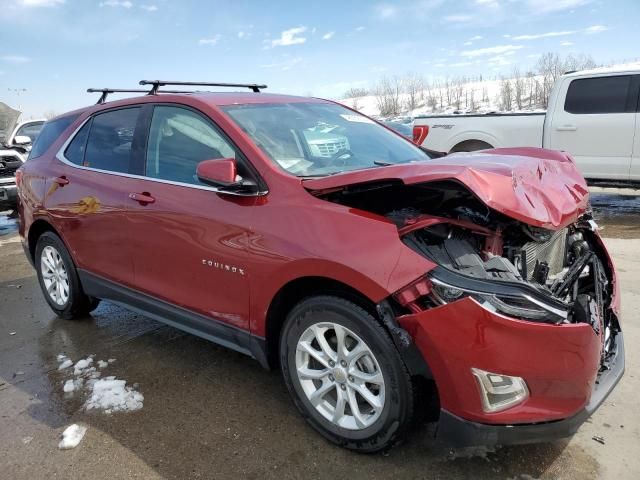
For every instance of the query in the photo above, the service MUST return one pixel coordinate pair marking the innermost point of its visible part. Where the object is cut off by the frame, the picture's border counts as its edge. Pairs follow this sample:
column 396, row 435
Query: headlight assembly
column 509, row 301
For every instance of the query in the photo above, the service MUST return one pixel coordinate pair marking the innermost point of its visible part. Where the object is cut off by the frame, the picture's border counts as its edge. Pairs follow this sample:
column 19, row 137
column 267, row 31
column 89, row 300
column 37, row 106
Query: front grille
column 8, row 166
column 330, row 148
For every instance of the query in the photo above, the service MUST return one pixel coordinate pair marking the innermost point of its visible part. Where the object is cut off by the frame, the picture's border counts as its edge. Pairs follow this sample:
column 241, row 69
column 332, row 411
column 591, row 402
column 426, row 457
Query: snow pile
column 108, row 394
column 112, row 395
column 72, row 436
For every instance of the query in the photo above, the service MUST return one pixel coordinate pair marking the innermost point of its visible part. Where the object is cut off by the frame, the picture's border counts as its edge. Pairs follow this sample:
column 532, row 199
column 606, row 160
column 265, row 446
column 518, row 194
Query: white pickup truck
column 593, row 115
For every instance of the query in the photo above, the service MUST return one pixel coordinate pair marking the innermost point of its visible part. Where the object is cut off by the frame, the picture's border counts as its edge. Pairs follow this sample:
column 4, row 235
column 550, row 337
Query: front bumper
column 8, row 195
column 560, row 364
column 458, row 432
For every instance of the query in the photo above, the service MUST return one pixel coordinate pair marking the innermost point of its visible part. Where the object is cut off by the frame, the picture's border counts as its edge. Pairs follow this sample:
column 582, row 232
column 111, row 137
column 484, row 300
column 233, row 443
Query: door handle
column 142, row 198
column 566, row 128
column 62, row 181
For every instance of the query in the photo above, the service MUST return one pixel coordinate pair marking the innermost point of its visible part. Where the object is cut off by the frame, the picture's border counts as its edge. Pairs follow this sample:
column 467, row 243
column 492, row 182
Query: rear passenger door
column 90, row 189
column 188, row 241
column 596, row 125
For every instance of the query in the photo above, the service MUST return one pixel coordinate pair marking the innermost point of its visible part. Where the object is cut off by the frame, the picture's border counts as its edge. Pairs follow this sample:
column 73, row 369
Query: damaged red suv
column 385, row 281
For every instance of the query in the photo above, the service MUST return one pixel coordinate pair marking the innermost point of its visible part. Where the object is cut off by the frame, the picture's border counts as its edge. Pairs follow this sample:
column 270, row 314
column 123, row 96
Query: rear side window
column 598, row 95
column 76, row 149
column 110, row 140
column 50, row 133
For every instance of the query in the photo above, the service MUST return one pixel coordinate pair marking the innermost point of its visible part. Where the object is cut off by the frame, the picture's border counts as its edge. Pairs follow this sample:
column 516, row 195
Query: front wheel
column 345, row 374
column 59, row 280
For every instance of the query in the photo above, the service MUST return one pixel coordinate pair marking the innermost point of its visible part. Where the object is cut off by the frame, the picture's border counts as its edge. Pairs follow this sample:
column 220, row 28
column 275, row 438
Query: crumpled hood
column 539, row 187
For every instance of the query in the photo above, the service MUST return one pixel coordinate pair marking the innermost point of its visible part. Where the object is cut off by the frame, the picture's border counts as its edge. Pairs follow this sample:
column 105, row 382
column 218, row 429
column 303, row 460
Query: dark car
column 382, row 282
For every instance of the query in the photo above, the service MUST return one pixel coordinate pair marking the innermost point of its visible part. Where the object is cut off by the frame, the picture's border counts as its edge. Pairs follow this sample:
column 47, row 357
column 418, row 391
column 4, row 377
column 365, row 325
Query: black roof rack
column 155, row 84
column 107, row 91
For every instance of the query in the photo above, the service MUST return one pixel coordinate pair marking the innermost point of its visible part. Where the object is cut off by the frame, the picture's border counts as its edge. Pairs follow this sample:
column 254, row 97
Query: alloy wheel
column 54, row 275
column 340, row 376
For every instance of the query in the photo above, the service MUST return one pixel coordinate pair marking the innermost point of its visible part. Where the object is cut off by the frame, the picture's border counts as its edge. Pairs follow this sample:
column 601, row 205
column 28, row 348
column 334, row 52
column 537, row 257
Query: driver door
column 189, row 242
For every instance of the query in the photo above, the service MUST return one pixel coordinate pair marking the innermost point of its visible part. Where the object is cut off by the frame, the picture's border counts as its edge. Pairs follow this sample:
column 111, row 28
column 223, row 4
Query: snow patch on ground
column 72, row 436
column 112, row 395
column 107, row 394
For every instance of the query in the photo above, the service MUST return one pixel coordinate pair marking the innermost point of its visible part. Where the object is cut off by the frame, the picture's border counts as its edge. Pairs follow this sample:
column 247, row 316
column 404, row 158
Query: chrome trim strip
column 60, row 156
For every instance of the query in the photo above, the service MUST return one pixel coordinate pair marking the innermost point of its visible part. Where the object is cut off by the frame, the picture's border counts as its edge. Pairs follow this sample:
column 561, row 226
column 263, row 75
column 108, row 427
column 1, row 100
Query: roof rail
column 156, row 84
column 107, row 91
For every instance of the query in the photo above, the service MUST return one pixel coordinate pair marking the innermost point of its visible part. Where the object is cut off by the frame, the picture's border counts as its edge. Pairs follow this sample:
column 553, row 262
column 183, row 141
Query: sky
column 51, row 51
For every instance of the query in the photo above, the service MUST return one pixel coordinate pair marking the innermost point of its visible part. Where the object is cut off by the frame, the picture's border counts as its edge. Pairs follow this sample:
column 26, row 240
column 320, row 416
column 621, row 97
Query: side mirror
column 219, row 172
column 21, row 140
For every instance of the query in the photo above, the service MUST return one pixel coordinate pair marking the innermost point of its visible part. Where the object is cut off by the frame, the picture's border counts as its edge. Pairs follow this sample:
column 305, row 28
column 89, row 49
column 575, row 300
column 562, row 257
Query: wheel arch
column 36, row 229
column 292, row 293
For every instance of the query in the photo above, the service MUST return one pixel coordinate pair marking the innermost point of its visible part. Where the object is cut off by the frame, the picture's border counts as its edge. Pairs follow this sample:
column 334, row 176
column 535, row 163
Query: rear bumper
column 458, row 432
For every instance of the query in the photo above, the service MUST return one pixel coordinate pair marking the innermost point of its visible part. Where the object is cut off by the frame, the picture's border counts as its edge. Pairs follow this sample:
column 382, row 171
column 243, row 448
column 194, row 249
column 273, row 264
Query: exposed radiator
column 552, row 251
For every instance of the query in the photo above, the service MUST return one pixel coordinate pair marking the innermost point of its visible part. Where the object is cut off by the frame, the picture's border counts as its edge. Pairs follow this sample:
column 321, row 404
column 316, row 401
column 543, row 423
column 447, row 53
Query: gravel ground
column 211, row 413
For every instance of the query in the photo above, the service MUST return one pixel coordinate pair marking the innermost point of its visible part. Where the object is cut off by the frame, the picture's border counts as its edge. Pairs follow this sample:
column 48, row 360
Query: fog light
column 499, row 392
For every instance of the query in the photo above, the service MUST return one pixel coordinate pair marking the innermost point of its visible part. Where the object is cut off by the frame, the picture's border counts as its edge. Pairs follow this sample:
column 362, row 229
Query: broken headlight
column 509, row 301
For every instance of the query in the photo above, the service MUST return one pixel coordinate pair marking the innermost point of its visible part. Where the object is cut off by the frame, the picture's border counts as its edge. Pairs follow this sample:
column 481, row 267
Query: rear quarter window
column 49, row 134
column 598, row 95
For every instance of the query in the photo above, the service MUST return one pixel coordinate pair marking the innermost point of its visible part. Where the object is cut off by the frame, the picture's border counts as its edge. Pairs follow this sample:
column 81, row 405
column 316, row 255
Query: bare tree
column 506, row 94
column 412, row 87
column 387, row 93
column 519, row 88
column 354, row 95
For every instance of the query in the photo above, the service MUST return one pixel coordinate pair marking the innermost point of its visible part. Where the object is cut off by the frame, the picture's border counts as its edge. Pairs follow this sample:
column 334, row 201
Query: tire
column 375, row 428
column 57, row 268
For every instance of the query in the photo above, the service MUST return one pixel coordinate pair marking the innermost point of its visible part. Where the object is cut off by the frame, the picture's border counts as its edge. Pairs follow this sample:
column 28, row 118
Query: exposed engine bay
column 523, row 271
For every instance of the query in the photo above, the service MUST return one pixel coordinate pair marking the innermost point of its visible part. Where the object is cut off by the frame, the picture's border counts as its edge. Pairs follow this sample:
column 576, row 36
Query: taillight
column 420, row 132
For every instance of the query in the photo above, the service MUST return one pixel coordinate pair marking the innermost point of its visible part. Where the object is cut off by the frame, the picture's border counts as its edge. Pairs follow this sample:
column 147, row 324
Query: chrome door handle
column 62, row 181
column 567, row 128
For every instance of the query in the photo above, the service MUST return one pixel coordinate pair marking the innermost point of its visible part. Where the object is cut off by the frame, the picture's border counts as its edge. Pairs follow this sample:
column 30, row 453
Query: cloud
column 117, row 3
column 468, row 43
column 290, row 37
column 596, row 29
column 476, row 38
column 15, row 59
column 459, row 18
column 360, row 28
column 566, row 44
column 210, row 41
column 41, row 3
column 328, row 35
column 497, row 50
column 385, row 11
column 241, row 34
column 544, row 35
column 149, row 8
column 550, row 6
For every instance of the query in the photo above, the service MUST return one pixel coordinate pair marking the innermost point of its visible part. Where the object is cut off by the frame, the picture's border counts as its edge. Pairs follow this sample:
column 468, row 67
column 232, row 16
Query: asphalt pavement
column 212, row 413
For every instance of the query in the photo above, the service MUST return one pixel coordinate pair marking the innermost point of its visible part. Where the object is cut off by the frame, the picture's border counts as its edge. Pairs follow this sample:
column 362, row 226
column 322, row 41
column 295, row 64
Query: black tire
column 78, row 304
column 393, row 422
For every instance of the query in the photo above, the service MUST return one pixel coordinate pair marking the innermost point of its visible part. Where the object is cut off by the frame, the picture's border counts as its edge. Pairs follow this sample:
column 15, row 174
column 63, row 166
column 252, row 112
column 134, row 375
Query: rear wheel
column 58, row 279
column 345, row 374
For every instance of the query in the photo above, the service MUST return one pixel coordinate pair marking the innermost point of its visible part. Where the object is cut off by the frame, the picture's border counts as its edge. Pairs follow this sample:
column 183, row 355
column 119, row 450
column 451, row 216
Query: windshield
column 317, row 139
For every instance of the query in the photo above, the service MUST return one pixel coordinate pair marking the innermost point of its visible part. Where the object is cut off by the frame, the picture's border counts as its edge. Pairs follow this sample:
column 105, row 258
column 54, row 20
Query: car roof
column 216, row 99
column 630, row 68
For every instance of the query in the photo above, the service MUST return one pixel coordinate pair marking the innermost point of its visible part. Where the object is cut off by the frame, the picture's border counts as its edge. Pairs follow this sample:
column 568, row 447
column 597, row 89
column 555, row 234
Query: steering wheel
column 340, row 157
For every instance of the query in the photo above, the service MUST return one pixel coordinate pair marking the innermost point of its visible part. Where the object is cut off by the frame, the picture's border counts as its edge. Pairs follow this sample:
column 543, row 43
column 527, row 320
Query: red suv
column 384, row 280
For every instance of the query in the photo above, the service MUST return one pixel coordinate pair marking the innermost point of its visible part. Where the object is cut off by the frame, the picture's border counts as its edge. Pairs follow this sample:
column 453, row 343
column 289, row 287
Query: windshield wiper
column 382, row 163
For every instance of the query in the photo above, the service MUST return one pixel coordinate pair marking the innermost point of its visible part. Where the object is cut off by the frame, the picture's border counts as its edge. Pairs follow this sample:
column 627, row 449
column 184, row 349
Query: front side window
column 598, row 95
column 50, row 133
column 179, row 139
column 30, row 130
column 317, row 139
column 110, row 139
